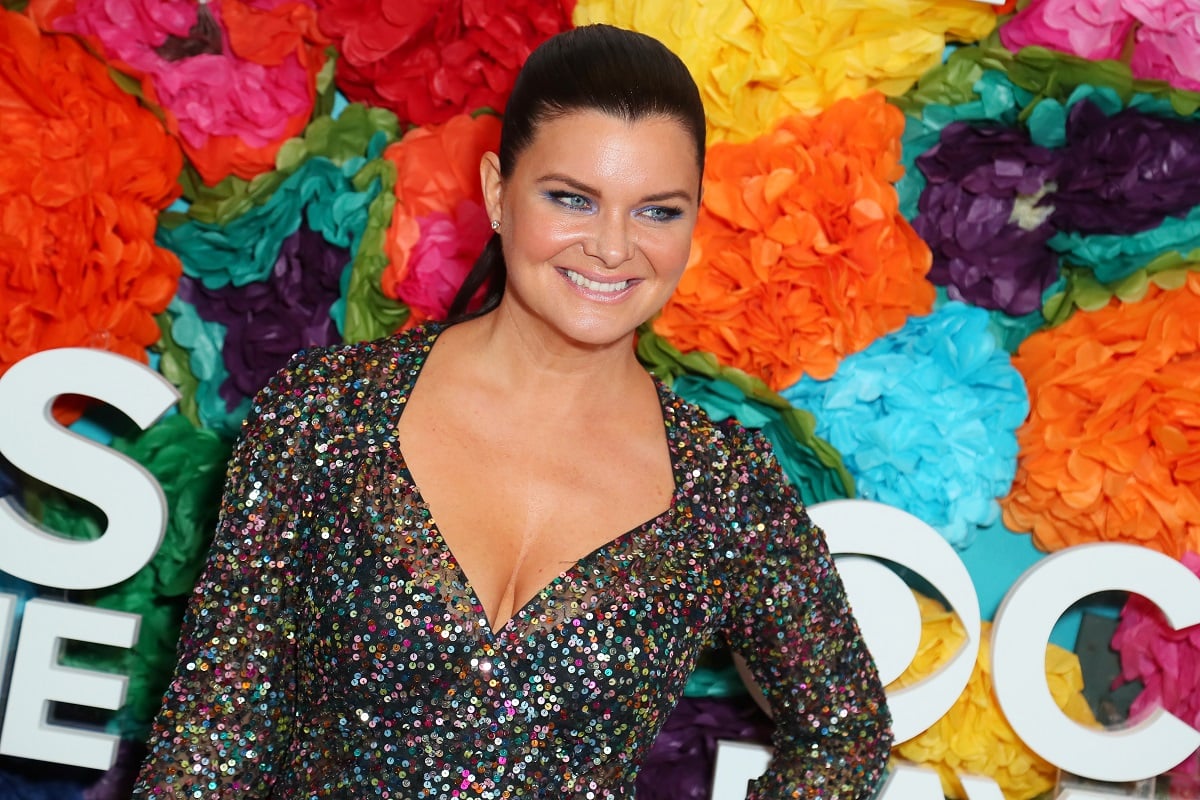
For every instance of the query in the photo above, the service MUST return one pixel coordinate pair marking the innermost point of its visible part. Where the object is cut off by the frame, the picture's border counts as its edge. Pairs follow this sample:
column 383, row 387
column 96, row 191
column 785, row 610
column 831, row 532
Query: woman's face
column 596, row 222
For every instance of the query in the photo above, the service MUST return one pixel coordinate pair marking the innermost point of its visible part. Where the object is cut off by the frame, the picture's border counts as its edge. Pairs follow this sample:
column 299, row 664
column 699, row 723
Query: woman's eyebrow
column 583, row 188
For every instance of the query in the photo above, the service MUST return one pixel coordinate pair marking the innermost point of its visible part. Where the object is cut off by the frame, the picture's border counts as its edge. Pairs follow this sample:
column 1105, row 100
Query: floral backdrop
column 948, row 259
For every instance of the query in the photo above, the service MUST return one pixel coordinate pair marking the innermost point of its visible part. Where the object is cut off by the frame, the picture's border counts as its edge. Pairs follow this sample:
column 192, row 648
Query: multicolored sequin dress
column 334, row 648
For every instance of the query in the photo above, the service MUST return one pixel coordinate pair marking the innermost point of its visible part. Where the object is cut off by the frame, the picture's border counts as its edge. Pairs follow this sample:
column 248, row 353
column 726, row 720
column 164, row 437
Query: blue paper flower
column 926, row 419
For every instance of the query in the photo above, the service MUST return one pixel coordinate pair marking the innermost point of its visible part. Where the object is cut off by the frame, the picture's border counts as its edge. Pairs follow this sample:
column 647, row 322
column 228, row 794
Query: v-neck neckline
column 489, row 626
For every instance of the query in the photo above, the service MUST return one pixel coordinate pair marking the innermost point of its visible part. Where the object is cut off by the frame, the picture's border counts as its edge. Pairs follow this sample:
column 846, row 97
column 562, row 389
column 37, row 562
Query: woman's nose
column 609, row 239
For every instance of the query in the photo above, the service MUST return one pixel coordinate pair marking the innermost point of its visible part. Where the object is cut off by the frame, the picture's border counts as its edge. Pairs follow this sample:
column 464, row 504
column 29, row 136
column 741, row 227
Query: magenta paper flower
column 1093, row 29
column 1166, row 661
column 235, row 77
column 442, row 258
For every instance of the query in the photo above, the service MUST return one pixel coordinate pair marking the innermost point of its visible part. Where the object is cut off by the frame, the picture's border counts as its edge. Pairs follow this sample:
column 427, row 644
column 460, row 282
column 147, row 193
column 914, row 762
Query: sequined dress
column 334, row 648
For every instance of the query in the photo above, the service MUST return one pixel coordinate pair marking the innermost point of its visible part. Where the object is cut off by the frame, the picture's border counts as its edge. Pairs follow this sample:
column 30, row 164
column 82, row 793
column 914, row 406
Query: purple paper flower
column 984, row 216
column 1125, row 173
column 268, row 321
column 679, row 766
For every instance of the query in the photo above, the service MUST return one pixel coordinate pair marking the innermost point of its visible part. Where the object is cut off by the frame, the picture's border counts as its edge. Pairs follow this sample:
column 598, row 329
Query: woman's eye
column 662, row 213
column 570, row 200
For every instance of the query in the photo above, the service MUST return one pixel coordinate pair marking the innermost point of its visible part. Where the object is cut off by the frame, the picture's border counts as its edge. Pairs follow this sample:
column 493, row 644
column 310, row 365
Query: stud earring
column 495, row 224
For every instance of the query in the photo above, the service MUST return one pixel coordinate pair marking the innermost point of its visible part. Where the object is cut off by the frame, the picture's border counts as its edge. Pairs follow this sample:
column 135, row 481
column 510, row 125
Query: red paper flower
column 428, row 60
column 84, row 170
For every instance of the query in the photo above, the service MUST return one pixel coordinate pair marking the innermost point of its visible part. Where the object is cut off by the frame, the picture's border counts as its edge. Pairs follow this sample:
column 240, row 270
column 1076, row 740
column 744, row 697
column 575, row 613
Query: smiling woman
column 481, row 559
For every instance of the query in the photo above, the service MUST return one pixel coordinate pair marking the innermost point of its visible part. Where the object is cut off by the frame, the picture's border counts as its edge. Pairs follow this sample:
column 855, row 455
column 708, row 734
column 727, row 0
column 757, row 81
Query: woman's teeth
column 595, row 286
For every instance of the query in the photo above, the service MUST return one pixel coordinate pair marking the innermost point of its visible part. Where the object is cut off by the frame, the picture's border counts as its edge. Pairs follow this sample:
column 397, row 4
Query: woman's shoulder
column 354, row 366
column 339, row 386
column 728, row 450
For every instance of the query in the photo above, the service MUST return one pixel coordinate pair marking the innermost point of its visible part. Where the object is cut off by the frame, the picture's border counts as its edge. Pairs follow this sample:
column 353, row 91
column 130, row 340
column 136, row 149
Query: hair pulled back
column 618, row 72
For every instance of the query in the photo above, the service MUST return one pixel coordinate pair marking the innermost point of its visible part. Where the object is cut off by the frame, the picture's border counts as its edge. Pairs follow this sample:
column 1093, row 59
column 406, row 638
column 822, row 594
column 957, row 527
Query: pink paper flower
column 1093, row 29
column 1168, row 42
column 1166, row 661
column 442, row 258
column 235, row 77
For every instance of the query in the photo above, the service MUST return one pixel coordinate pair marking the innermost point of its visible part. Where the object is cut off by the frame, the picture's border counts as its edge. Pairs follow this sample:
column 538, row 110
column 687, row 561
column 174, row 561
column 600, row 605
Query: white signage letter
column 1022, row 628
column 37, row 445
column 38, row 679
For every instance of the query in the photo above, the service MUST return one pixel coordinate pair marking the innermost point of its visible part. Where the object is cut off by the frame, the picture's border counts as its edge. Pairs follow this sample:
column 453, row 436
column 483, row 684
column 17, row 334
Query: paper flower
column 1164, row 660
column 679, row 765
column 926, row 419
column 758, row 63
column 1109, row 450
column 1092, row 29
column 439, row 225
column 266, row 323
column 442, row 258
column 984, row 215
column 235, row 78
column 321, row 196
column 1126, row 172
column 799, row 456
column 800, row 255
column 1165, row 34
column 83, row 172
column 973, row 737
column 428, row 60
column 189, row 464
column 1167, row 41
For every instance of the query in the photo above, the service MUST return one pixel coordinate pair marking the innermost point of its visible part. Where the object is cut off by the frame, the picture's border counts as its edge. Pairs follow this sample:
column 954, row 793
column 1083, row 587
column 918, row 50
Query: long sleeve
column 790, row 621
column 226, row 720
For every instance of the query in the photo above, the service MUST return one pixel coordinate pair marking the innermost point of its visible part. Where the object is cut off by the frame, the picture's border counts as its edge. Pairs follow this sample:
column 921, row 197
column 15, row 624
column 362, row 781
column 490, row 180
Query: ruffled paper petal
column 266, row 322
column 245, row 250
column 791, row 225
column 1092, row 29
column 758, row 63
column 926, row 419
column 439, row 225
column 1126, row 172
column 812, row 464
column 234, row 79
column 83, row 171
column 1165, row 661
column 199, row 361
column 973, row 737
column 428, row 60
column 189, row 465
column 1111, row 450
column 984, row 214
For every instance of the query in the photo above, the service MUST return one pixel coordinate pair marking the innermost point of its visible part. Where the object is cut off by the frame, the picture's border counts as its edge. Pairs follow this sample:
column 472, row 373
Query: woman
column 480, row 560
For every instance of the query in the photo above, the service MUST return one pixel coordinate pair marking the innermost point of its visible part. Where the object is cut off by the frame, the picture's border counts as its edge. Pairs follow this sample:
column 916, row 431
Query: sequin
column 335, row 649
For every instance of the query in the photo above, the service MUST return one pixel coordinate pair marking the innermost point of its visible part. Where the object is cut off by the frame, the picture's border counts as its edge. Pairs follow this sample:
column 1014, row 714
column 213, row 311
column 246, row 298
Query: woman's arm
column 790, row 622
column 226, row 719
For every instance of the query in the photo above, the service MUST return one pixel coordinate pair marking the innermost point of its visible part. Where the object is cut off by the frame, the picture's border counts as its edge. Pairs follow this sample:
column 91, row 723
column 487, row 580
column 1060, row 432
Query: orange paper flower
column 437, row 172
column 973, row 737
column 83, row 172
column 800, row 255
column 1111, row 449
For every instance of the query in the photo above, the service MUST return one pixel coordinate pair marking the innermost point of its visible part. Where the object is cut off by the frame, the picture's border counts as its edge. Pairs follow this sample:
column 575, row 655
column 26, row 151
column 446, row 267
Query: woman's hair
column 625, row 74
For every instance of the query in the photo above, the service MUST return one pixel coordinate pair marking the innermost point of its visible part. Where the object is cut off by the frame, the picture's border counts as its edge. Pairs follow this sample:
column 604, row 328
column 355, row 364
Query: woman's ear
column 493, row 186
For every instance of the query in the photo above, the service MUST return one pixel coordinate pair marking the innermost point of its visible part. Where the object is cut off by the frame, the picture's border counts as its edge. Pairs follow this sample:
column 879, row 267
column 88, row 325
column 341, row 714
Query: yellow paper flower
column 973, row 737
column 757, row 62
